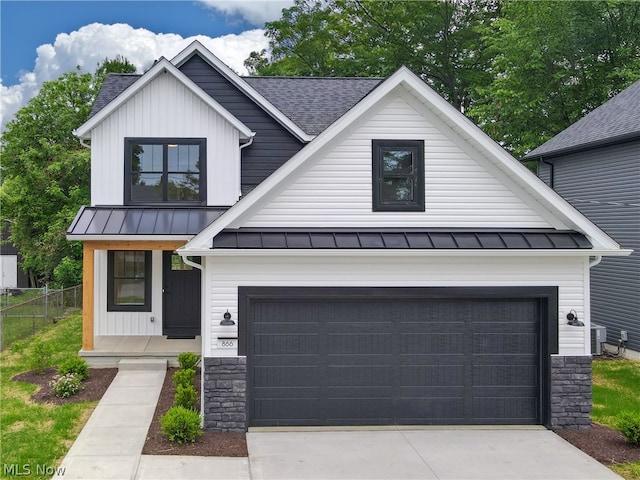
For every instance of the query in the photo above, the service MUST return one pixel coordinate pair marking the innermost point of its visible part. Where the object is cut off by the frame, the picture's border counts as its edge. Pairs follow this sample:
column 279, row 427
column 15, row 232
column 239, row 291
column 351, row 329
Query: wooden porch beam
column 87, row 296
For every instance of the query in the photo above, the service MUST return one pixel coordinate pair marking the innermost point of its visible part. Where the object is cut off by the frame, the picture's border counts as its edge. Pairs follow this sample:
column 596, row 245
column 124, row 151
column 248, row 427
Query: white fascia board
column 233, row 77
column 371, row 252
column 162, row 66
column 130, row 238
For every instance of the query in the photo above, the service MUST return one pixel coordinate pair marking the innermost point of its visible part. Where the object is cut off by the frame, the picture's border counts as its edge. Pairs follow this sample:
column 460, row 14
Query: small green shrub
column 181, row 425
column 186, row 396
column 188, row 360
column 40, row 357
column 184, row 377
column 75, row 365
column 629, row 425
column 65, row 385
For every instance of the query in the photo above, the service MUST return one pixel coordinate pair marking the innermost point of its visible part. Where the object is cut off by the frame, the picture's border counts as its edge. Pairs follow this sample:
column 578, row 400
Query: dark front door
column 181, row 297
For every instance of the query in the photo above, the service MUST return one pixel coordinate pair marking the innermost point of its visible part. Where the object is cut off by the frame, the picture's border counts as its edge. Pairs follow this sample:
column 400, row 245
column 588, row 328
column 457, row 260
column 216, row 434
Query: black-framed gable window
column 398, row 175
column 165, row 170
column 129, row 281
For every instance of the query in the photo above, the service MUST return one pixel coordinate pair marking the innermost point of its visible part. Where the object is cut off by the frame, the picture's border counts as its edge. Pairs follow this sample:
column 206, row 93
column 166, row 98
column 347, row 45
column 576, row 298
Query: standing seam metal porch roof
column 399, row 239
column 114, row 221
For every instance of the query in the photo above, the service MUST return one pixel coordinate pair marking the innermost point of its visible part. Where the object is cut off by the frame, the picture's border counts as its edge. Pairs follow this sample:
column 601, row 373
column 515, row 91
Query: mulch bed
column 209, row 444
column 606, row 445
column 93, row 388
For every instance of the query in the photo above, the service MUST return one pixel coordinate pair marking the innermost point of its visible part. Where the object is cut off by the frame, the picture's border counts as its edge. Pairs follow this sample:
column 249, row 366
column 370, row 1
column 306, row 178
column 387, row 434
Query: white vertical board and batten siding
column 126, row 323
column 165, row 108
column 336, row 190
column 569, row 274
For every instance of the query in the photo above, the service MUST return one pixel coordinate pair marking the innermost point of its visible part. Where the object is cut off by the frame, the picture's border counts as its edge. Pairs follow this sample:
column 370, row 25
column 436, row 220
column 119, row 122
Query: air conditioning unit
column 598, row 337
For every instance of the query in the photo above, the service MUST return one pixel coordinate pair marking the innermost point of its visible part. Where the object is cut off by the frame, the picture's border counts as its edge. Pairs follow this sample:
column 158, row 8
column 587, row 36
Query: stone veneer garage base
column 571, row 393
column 225, row 393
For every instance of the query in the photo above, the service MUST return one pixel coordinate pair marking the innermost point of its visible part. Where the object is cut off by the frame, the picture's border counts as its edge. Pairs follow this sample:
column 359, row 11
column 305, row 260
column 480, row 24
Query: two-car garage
column 396, row 356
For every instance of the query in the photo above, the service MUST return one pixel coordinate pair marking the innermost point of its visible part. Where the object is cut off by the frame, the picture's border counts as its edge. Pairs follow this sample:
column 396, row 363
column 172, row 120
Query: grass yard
column 616, row 388
column 35, row 437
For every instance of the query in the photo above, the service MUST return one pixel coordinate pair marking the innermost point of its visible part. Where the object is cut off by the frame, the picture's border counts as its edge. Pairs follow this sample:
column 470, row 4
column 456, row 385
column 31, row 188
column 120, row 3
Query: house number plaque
column 227, row 342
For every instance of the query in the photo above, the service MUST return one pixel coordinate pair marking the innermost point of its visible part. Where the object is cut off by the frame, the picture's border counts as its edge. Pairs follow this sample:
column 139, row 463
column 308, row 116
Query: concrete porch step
column 148, row 364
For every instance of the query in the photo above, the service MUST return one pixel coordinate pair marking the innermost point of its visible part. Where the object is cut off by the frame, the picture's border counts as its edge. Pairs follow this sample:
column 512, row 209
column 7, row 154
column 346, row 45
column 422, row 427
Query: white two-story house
column 345, row 251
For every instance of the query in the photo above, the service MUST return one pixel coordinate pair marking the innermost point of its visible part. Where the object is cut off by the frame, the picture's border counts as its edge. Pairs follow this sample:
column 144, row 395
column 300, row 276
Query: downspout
column 550, row 171
column 193, row 264
column 596, row 260
column 250, row 142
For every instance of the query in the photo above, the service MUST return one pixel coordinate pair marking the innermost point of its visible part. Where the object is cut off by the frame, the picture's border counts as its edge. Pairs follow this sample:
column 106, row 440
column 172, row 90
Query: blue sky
column 40, row 40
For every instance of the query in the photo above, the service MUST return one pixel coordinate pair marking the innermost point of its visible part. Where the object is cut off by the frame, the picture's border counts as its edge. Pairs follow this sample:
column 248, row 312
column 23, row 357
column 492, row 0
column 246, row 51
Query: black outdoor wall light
column 572, row 318
column 226, row 319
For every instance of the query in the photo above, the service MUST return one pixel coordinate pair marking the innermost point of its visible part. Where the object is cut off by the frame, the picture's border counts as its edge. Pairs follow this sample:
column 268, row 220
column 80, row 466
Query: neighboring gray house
column 595, row 165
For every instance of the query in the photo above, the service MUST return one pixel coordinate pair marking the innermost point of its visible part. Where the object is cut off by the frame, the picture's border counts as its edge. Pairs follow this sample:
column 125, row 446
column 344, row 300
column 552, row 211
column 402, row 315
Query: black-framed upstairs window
column 165, row 171
column 398, row 175
column 129, row 281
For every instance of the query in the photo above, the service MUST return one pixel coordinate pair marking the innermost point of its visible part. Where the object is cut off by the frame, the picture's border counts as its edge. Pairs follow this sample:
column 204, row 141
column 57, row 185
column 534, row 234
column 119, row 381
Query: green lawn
column 34, row 436
column 616, row 388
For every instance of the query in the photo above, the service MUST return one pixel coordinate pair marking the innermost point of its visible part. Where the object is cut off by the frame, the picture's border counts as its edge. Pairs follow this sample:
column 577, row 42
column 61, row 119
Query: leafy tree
column 440, row 41
column 553, row 62
column 45, row 171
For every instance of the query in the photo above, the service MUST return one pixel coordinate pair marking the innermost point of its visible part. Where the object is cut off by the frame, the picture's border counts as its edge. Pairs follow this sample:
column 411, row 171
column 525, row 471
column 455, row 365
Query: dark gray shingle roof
column 114, row 85
column 311, row 103
column 398, row 239
column 615, row 120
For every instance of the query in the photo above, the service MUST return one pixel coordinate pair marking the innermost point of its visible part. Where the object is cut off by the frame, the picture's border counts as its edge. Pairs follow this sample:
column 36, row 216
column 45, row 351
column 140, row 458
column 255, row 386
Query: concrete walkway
column 110, row 447
column 110, row 444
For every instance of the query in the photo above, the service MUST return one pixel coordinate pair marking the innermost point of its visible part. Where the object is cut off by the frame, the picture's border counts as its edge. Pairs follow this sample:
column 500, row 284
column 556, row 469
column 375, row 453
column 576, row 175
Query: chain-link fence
column 26, row 311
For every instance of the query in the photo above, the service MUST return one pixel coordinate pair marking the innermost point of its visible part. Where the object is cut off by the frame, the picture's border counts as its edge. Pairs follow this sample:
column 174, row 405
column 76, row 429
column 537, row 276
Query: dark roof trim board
column 127, row 221
column 398, row 239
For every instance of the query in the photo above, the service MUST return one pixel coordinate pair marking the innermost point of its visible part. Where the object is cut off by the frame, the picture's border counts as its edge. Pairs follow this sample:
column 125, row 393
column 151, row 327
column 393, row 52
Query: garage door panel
column 285, row 376
column 285, row 344
column 505, row 343
column 359, row 408
column 281, row 411
column 518, row 410
column 359, row 375
column 360, row 343
column 505, row 375
column 440, row 410
column 448, row 375
column 432, row 343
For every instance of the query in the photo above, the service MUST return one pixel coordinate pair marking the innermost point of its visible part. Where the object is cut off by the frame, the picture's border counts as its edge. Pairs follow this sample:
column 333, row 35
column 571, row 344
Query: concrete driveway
column 420, row 454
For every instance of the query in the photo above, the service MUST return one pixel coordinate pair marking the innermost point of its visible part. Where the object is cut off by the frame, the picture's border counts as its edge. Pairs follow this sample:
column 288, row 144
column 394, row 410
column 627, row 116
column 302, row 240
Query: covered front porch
column 109, row 350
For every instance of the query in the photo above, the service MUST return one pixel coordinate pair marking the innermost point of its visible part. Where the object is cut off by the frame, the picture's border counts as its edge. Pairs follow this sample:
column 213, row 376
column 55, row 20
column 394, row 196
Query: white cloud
column 256, row 12
column 92, row 43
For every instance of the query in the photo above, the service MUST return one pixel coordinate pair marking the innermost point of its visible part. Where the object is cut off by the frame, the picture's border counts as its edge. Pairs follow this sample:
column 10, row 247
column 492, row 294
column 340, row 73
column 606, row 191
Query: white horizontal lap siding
column 165, row 108
column 570, row 275
column 336, row 190
column 126, row 323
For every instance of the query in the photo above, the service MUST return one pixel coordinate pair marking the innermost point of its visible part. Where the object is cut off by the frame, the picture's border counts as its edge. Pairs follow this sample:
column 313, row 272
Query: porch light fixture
column 226, row 320
column 572, row 319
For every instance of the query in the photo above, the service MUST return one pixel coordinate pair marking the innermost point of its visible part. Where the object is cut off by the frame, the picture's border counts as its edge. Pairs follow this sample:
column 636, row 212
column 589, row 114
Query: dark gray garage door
column 387, row 356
